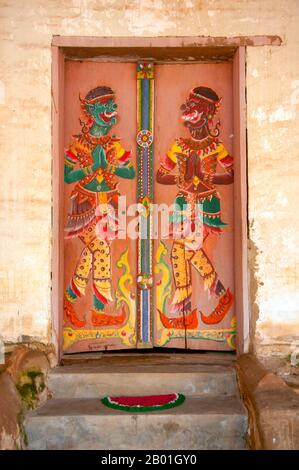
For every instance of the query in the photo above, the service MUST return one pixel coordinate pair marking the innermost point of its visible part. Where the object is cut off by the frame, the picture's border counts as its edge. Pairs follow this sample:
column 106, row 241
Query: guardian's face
column 196, row 112
column 104, row 112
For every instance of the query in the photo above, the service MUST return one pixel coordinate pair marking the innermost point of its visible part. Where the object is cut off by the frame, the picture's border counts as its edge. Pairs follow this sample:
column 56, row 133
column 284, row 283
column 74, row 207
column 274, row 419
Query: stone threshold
column 149, row 358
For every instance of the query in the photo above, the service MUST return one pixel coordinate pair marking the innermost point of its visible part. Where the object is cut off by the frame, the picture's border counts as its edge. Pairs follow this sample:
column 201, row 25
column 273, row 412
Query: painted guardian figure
column 191, row 165
column 94, row 162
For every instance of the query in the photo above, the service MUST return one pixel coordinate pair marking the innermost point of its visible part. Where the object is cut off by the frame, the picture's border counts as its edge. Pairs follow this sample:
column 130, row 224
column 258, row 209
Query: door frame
column 160, row 50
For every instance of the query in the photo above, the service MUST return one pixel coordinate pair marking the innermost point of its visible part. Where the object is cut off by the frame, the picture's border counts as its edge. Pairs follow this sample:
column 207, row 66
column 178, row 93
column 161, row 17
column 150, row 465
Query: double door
column 148, row 206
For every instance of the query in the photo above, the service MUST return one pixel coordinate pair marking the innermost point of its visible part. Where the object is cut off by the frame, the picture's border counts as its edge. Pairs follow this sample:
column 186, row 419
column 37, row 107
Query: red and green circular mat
column 144, row 403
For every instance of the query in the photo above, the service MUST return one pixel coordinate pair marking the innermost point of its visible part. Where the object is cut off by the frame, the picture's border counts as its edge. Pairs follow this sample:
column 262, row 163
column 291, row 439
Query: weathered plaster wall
column 26, row 30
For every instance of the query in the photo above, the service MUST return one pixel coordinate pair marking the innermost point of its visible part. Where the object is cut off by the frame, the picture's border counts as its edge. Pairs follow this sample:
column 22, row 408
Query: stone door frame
column 160, row 50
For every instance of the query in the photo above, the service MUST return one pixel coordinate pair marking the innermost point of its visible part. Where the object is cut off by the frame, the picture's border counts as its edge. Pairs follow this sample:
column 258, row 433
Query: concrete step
column 78, row 423
column 191, row 379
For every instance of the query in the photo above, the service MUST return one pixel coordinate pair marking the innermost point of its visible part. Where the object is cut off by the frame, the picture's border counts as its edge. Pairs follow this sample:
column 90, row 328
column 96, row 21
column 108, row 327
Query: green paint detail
column 71, row 176
column 71, row 293
column 143, row 409
column 151, row 173
column 99, row 161
column 95, row 186
column 125, row 171
column 96, row 110
column 120, row 294
column 31, row 383
column 139, row 170
column 167, row 289
column 208, row 206
column 98, row 305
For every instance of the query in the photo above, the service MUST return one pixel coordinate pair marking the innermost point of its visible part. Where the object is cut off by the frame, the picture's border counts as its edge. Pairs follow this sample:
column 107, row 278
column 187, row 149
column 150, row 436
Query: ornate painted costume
column 191, row 164
column 192, row 160
column 95, row 163
column 97, row 188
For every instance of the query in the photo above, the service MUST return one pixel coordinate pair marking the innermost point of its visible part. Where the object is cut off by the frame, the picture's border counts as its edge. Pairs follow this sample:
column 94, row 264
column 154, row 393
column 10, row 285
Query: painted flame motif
column 164, row 292
column 126, row 333
column 163, row 288
column 123, row 294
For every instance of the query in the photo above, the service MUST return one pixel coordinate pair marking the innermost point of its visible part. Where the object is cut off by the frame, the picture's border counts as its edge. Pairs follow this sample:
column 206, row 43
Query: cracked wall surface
column 26, row 30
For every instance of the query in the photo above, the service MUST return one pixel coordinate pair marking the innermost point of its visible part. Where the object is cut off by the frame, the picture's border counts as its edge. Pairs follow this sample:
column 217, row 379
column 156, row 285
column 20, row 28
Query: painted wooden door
column 128, row 153
column 100, row 169
column 194, row 279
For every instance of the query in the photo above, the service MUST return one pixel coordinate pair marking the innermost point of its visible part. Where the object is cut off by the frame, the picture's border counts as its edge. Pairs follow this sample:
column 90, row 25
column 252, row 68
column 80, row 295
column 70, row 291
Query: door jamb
column 240, row 202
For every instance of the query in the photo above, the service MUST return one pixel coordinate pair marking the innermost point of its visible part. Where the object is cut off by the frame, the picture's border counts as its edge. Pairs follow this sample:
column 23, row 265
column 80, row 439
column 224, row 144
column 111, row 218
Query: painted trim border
column 145, row 195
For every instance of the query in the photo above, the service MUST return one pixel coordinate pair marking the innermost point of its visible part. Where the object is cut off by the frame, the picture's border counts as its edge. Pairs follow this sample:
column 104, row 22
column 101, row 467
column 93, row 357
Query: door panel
column 185, row 327
column 87, row 328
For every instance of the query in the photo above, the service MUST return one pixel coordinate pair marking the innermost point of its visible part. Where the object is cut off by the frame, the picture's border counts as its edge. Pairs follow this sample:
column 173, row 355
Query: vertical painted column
column 145, row 154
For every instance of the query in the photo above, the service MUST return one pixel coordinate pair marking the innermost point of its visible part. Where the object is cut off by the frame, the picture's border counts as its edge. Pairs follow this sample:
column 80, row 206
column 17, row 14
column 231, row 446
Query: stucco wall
column 26, row 30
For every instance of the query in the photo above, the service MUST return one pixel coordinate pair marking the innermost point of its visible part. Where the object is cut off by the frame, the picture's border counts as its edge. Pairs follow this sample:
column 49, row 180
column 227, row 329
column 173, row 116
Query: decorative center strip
column 145, row 154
